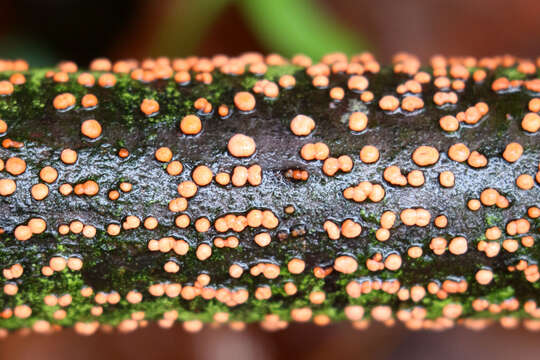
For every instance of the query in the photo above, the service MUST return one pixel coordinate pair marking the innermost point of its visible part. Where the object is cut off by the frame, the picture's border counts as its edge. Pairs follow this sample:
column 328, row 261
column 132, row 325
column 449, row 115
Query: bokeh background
column 47, row 31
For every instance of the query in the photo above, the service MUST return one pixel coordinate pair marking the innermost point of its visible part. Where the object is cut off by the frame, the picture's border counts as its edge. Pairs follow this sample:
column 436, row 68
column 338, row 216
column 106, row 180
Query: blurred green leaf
column 299, row 26
column 185, row 24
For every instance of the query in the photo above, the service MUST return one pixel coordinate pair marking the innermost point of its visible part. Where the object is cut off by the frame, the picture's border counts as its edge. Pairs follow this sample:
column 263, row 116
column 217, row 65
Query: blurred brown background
column 299, row 342
column 45, row 32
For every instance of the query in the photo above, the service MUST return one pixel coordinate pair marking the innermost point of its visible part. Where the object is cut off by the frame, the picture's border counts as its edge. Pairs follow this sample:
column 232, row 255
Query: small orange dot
column 202, row 224
column 182, row 77
column 525, row 182
column 191, row 125
column 477, row 160
column 123, row 153
column 447, row 179
column 107, row 80
column 262, row 239
column 389, row 103
column 302, row 125
column 3, row 126
column 459, row 152
column 320, row 81
column 369, row 154
column 86, row 79
column 512, row 152
column 6, row 88
column 17, row 79
column 345, row 264
column 223, row 178
column 484, row 276
column 7, row 187
column 48, row 174
column 357, row 83
column 15, row 166
column 150, row 223
column 89, row 101
column 91, row 128
column 441, row 221
column 531, row 122
column 287, row 81
column 163, row 154
column 202, row 175
column 416, row 178
column 22, row 233
column 187, row 189
column 149, row 107
column 425, row 155
column 449, row 123
column 241, row 146
column 175, row 168
column 458, row 246
column 39, row 191
column 244, row 101
column 64, row 101
column 337, row 93
column 393, row 262
column 358, row 121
